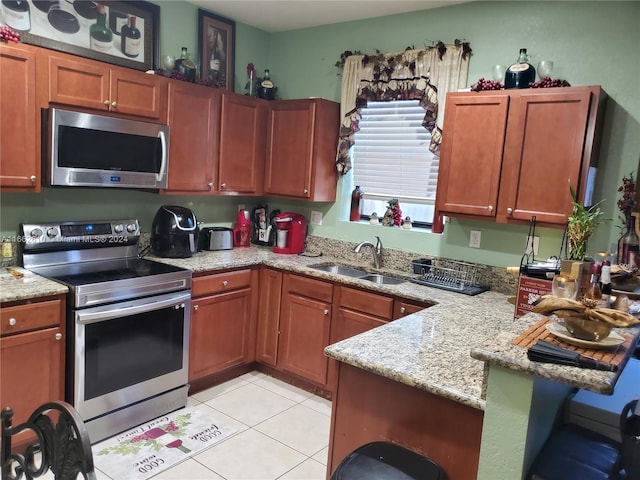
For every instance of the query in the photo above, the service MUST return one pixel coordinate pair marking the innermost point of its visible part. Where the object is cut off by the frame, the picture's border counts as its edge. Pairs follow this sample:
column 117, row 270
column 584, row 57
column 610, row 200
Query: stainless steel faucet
column 375, row 250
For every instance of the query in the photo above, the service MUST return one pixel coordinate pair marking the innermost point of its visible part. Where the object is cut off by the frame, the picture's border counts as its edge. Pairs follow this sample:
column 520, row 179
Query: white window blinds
column 391, row 154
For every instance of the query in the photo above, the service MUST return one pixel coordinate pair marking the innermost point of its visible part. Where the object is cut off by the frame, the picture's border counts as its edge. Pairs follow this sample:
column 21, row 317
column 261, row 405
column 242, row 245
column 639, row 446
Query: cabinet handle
column 33, row 178
column 509, row 210
column 210, row 184
column 195, row 307
column 403, row 310
column 326, row 311
column 305, row 191
column 490, row 208
column 114, row 104
column 12, row 321
column 223, row 185
column 58, row 336
column 225, row 283
column 106, row 103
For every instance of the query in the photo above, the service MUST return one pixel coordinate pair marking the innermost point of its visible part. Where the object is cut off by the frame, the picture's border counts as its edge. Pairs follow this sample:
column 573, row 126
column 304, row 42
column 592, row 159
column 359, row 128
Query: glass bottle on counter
column 356, row 204
column 605, row 283
column 593, row 292
column 629, row 248
column 521, row 73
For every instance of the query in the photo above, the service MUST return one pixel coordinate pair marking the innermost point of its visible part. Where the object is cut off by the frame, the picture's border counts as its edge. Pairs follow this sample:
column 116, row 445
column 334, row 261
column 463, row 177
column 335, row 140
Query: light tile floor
column 282, row 433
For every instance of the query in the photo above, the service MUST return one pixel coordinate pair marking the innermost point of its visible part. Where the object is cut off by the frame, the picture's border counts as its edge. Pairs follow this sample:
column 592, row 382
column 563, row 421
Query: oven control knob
column 52, row 232
column 35, row 233
column 118, row 228
column 131, row 228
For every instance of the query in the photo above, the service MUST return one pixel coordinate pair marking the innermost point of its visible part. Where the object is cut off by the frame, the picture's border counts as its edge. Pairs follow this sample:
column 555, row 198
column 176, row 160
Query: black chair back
column 62, row 445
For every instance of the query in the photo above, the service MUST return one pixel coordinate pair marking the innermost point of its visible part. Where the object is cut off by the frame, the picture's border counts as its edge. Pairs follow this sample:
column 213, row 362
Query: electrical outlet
column 474, row 238
column 316, row 217
column 532, row 245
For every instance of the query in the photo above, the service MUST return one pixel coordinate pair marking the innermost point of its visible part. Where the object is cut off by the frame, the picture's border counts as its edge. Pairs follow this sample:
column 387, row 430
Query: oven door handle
column 125, row 309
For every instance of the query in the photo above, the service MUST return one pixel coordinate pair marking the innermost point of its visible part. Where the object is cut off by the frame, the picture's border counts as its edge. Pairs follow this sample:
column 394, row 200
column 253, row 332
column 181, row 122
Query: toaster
column 216, row 238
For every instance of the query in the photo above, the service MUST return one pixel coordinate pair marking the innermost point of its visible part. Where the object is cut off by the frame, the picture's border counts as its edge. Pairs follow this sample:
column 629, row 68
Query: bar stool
column 386, row 461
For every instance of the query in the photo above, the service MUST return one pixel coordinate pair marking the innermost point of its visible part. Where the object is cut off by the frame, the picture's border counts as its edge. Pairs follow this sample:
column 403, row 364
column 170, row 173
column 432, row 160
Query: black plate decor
column 88, row 10
column 45, row 5
column 62, row 21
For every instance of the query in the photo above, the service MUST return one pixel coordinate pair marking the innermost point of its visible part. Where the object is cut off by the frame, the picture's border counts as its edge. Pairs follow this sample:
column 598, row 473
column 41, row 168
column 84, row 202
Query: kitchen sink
column 382, row 279
column 339, row 269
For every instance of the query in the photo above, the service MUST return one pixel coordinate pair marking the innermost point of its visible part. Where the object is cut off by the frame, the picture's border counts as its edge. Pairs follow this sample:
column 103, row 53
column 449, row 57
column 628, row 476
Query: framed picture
column 216, row 46
column 123, row 33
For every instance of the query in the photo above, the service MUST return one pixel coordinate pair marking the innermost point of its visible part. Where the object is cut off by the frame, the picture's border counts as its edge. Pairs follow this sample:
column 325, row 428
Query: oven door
column 129, row 351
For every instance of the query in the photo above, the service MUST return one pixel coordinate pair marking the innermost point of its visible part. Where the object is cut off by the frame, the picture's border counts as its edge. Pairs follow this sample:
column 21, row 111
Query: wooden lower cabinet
column 367, row 408
column 222, row 323
column 31, row 356
column 305, row 323
column 268, row 316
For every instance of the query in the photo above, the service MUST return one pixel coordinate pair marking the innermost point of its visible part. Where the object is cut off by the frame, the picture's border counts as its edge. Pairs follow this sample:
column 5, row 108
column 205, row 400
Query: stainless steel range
column 127, row 326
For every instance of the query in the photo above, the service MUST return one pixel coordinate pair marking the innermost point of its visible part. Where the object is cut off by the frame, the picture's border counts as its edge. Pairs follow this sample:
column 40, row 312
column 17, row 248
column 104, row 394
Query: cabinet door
column 290, row 149
column 543, row 153
column 304, row 329
column 268, row 316
column 193, row 117
column 77, row 82
column 471, row 154
column 137, row 93
column 242, row 144
column 31, row 370
column 220, row 333
column 347, row 323
column 19, row 120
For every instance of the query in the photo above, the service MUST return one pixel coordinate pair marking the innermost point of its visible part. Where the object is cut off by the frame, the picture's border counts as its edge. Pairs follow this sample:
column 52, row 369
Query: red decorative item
column 7, row 34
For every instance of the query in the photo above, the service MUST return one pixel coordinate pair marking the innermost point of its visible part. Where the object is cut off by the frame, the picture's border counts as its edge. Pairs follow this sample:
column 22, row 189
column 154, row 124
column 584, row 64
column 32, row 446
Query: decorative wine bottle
column 629, row 253
column 17, row 15
column 356, row 204
column 131, row 39
column 521, row 73
column 267, row 89
column 185, row 66
column 101, row 36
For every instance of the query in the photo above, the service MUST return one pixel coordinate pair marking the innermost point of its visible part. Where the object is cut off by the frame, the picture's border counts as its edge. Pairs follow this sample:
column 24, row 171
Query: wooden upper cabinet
column 510, row 155
column 471, row 154
column 301, row 149
column 242, row 144
column 194, row 122
column 19, row 119
column 94, row 85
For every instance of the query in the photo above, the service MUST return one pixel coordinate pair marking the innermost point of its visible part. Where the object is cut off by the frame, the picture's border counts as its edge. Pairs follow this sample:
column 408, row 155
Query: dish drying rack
column 450, row 275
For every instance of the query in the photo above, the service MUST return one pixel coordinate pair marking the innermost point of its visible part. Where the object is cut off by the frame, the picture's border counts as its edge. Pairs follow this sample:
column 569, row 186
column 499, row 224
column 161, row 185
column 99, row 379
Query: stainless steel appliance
column 127, row 325
column 174, row 232
column 216, row 238
column 90, row 150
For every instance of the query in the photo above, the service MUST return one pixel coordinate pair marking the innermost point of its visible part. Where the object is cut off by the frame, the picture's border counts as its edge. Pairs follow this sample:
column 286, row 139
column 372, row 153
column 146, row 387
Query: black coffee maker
column 174, row 232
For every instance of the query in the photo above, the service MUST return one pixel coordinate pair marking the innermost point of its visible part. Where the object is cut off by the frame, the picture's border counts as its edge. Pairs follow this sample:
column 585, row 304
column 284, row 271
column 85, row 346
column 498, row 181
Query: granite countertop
column 18, row 284
column 441, row 349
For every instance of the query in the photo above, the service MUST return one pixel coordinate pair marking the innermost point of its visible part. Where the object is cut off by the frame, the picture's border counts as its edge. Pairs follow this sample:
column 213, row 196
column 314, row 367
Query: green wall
column 591, row 43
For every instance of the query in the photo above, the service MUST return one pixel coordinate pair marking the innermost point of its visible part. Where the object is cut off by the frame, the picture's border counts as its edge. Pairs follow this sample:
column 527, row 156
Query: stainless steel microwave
column 90, row 150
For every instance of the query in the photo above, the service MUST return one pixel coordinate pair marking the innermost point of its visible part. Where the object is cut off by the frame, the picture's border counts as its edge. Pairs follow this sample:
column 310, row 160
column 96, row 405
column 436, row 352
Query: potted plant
column 582, row 223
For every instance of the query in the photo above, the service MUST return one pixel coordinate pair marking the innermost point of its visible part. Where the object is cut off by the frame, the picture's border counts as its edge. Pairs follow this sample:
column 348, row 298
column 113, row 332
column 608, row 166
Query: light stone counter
column 19, row 284
column 442, row 349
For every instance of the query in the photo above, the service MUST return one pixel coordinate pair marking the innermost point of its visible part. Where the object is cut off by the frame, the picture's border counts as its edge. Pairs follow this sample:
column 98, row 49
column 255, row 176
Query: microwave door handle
column 163, row 165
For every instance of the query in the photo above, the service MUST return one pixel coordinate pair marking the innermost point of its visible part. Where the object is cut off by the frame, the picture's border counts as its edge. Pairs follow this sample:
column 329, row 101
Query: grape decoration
column 7, row 34
column 546, row 82
column 483, row 84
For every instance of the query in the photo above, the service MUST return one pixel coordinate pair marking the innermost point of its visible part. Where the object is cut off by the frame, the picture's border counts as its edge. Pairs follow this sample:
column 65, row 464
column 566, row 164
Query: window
column 391, row 159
